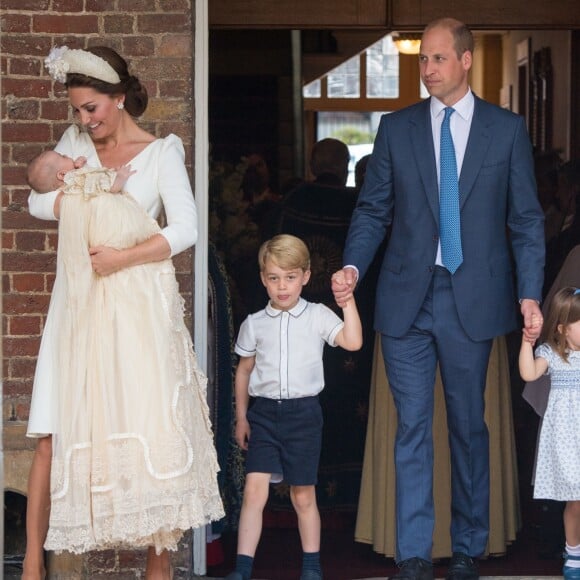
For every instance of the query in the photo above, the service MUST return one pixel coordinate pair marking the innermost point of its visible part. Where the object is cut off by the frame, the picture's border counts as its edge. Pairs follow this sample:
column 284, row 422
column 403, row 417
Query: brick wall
column 155, row 36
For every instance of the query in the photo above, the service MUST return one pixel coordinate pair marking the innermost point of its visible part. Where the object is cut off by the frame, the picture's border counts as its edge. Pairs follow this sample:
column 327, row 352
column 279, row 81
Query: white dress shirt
column 288, row 346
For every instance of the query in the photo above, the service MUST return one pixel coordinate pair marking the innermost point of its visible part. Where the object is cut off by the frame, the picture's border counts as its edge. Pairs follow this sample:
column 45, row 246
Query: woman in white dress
column 118, row 402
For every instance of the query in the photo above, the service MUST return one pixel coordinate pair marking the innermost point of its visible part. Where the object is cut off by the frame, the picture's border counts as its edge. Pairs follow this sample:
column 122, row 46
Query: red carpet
column 279, row 556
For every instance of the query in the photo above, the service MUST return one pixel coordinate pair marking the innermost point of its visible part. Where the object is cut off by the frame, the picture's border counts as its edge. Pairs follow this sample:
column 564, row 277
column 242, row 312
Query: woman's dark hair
column 136, row 98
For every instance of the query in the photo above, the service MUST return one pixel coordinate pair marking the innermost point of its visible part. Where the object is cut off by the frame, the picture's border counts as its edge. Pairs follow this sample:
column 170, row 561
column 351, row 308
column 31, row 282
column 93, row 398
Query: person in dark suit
column 446, row 287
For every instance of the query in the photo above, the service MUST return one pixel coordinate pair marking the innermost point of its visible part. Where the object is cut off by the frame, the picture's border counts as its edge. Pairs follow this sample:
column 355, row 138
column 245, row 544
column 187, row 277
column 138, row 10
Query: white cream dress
column 134, row 462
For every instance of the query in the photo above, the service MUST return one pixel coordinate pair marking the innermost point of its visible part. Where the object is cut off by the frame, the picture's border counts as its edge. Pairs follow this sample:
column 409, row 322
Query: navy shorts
column 285, row 439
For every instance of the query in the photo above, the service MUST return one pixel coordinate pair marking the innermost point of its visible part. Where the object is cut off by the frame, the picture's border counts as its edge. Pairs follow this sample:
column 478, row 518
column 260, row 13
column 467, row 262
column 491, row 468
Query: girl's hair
column 564, row 310
column 135, row 93
column 286, row 251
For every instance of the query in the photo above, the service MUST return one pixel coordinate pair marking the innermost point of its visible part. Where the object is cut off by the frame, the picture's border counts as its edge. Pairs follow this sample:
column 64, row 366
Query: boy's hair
column 564, row 310
column 286, row 251
column 41, row 173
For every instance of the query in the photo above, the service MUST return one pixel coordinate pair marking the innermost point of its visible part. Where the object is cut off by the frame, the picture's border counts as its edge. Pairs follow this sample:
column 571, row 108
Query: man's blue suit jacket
column 501, row 221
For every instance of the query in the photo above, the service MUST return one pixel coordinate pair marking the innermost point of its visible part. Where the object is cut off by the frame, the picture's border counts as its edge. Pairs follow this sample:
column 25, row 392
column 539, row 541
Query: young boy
column 280, row 366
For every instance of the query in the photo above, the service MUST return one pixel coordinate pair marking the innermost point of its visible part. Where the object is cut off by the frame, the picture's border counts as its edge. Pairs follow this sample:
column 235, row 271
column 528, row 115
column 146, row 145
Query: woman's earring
column 120, row 105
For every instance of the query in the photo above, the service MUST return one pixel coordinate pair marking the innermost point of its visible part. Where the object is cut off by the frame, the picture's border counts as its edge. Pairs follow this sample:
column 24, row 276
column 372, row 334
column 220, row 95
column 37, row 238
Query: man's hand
column 343, row 284
column 533, row 320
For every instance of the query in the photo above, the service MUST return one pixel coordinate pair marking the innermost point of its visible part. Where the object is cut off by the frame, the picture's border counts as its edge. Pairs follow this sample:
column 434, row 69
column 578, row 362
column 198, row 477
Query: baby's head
column 46, row 171
column 285, row 251
column 562, row 328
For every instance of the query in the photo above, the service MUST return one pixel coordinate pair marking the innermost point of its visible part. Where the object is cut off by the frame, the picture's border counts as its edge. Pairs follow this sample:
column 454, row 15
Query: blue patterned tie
column 449, row 224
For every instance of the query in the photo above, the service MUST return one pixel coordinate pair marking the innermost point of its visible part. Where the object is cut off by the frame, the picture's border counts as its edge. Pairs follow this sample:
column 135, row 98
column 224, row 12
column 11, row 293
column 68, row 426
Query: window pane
column 382, row 59
column 312, row 90
column 343, row 81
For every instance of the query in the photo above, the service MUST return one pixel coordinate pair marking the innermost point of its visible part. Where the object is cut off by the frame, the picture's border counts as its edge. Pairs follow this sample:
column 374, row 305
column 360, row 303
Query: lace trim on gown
column 133, row 459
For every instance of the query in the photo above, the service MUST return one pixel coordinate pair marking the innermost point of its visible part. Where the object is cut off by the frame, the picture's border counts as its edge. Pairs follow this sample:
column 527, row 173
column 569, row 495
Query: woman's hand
column 106, row 260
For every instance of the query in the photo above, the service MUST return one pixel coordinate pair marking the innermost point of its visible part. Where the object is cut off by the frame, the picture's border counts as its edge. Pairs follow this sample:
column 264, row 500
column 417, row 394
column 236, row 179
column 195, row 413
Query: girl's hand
column 106, row 260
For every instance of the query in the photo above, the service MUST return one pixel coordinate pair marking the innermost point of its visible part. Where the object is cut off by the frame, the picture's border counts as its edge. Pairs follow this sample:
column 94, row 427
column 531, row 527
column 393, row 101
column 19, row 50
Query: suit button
column 435, row 238
column 431, row 268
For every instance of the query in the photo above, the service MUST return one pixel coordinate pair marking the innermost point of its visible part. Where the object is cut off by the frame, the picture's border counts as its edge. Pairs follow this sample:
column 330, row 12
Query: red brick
column 54, row 110
column 19, row 132
column 26, row 88
column 118, row 24
column 12, row 23
column 136, row 6
column 5, row 288
column 35, row 5
column 24, row 152
column 67, row 5
column 28, row 282
column 23, row 409
column 21, row 262
column 20, row 219
column 7, row 241
column 98, row 5
column 21, row 368
column 25, row 66
column 50, row 278
column 175, row 89
column 23, row 109
column 6, row 153
column 23, row 44
column 13, row 175
column 24, row 326
column 30, row 241
column 58, row 129
column 17, row 387
column 19, row 198
column 20, row 346
column 52, row 241
column 138, row 46
column 158, row 23
column 175, row 6
column 48, row 23
column 176, row 45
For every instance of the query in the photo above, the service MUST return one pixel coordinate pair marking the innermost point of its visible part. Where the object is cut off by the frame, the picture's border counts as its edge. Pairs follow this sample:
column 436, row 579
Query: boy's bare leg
column 250, row 527
column 37, row 510
column 304, row 502
column 158, row 566
column 572, row 523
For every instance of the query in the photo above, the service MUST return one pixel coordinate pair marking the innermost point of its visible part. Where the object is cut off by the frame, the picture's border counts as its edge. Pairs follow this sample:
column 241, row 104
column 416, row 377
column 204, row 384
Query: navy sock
column 311, row 561
column 244, row 565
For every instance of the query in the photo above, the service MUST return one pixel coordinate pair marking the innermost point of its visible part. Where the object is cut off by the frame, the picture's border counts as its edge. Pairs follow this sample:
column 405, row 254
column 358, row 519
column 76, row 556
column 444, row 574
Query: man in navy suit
column 431, row 311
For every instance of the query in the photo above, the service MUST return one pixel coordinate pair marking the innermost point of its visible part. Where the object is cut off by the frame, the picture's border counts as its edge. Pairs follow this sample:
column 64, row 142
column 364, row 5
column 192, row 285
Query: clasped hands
column 343, row 284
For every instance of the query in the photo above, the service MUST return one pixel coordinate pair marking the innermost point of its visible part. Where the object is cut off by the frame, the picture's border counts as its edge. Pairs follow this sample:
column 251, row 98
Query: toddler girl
column 558, row 463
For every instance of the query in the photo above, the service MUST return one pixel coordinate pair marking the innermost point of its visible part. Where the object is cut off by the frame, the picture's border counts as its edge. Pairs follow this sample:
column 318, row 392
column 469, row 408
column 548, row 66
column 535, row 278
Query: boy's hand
column 242, row 433
column 79, row 162
column 343, row 283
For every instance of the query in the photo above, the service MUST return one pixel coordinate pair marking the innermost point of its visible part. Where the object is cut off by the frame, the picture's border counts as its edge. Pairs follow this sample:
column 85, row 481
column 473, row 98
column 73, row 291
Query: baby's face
column 63, row 162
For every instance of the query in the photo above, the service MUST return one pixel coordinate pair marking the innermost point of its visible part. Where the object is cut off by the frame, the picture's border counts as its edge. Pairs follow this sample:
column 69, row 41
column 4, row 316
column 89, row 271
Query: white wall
column 560, row 45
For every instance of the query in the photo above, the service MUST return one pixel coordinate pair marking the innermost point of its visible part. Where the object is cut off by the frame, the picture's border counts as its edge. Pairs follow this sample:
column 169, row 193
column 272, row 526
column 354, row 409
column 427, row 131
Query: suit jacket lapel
column 422, row 142
column 477, row 144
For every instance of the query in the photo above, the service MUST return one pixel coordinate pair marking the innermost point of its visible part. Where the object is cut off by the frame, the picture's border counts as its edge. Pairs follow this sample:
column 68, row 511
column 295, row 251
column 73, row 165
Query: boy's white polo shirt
column 288, row 346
